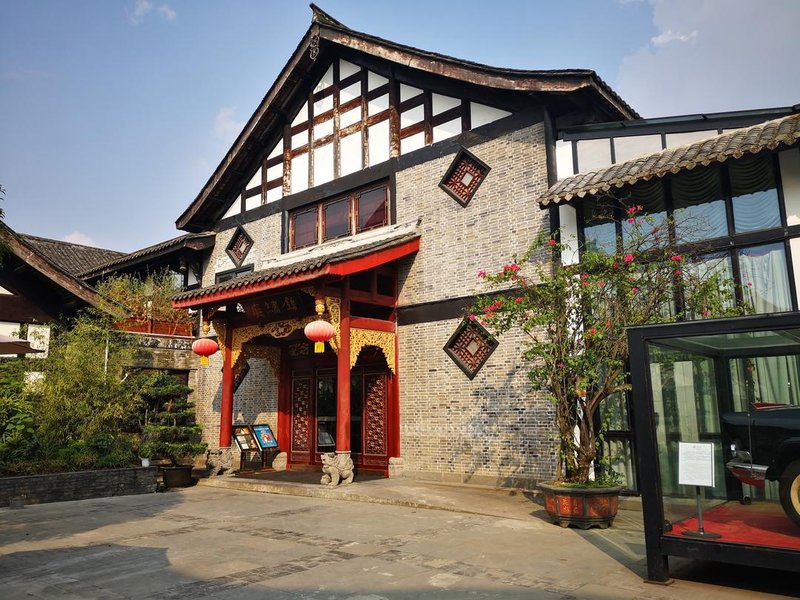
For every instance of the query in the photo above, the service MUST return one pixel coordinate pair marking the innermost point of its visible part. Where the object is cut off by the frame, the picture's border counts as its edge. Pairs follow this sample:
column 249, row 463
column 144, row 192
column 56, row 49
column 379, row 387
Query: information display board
column 696, row 464
column 243, row 434
column 264, row 436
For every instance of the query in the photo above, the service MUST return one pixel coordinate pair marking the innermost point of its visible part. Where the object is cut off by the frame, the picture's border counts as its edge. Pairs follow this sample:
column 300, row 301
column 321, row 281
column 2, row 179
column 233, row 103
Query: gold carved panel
column 368, row 337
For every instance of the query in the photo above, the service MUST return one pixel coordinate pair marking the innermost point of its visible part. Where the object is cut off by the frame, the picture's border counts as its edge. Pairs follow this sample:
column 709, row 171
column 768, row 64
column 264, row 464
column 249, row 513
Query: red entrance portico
column 344, row 399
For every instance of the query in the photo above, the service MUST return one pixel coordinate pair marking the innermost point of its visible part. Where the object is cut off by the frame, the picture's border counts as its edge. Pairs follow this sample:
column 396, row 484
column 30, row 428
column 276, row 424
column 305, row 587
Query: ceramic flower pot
column 583, row 507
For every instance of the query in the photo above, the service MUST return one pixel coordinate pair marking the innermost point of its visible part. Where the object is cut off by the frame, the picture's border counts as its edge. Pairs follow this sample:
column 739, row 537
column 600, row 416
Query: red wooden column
column 226, row 410
column 343, row 375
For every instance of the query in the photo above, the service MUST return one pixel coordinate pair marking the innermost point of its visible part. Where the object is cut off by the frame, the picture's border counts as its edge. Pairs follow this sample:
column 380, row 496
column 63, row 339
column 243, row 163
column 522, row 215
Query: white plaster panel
column 275, row 194
column 326, row 81
column 680, row 139
column 407, row 92
column 350, row 92
column 375, row 81
column 412, row 116
column 346, row 69
column 379, row 143
column 234, row 208
column 301, row 116
column 789, row 162
column 252, row 202
column 299, row 139
column 377, row 105
column 350, row 153
column 5, row 291
column 350, row 117
column 274, row 172
column 412, row 143
column 442, row 103
column 278, row 149
column 255, row 180
column 569, row 234
column 323, row 104
column 300, row 173
column 446, row 130
column 564, row 165
column 482, row 114
column 9, row 328
column 626, row 148
column 323, row 129
column 323, row 164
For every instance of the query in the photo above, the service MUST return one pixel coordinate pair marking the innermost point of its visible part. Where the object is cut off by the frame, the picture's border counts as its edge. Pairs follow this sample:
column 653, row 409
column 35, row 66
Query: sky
column 114, row 113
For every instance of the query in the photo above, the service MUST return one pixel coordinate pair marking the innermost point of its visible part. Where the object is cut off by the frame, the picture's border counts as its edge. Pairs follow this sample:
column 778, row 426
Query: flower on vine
column 584, row 276
column 634, row 290
column 552, row 243
column 561, row 365
column 599, row 284
column 518, row 299
column 591, row 332
column 678, row 272
column 631, row 221
column 676, row 257
column 706, row 312
column 749, row 284
column 628, row 258
column 513, row 267
column 471, row 317
column 481, row 273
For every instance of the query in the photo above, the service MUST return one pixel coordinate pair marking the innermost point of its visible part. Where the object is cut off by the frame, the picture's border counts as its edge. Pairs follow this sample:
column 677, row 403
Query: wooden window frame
column 352, row 198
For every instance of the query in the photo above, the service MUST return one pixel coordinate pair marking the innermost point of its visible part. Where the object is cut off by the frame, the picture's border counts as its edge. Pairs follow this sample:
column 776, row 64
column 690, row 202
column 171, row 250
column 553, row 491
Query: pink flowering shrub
column 576, row 318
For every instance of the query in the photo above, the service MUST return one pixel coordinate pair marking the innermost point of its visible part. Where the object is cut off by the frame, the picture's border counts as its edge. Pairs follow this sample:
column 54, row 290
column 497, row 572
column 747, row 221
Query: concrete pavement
column 218, row 543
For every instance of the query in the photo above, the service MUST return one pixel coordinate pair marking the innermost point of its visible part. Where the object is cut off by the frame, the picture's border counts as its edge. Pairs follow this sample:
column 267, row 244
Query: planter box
column 78, row 485
column 581, row 507
column 177, row 477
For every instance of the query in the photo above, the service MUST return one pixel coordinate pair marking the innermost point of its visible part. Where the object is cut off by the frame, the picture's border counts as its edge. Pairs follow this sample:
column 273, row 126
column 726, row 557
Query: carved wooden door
column 374, row 420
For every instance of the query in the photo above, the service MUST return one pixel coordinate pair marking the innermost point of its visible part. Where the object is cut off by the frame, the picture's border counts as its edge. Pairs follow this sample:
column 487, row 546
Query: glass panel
column 755, row 194
column 765, row 279
column 621, row 460
column 702, row 269
column 615, row 413
column 699, row 206
column 372, row 209
column 600, row 232
column 626, row 148
column 326, row 413
column 652, row 219
column 337, row 218
column 593, row 154
column 304, row 226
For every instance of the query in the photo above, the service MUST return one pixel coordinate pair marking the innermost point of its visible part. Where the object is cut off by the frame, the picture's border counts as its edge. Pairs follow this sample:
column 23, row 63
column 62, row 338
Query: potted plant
column 575, row 317
column 170, row 431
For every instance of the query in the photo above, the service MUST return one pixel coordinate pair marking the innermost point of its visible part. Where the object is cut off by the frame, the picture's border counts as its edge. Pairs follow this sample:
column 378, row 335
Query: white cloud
column 78, row 237
column 668, row 36
column 226, row 127
column 142, row 8
column 715, row 55
column 166, row 12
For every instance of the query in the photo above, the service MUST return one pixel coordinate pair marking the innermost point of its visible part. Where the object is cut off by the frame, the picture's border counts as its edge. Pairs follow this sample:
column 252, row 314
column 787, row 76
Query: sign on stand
column 696, row 467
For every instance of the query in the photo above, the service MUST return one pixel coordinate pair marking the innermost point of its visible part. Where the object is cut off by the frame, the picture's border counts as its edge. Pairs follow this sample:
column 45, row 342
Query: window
column 730, row 213
column 232, row 274
column 358, row 211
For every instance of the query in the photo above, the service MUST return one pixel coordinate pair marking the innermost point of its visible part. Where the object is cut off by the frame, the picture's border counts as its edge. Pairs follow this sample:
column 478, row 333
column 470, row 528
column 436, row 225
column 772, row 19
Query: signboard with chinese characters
column 280, row 307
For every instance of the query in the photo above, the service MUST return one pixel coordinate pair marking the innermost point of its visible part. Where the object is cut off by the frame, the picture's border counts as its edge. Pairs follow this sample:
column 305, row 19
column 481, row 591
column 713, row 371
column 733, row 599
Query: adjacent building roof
column 772, row 135
column 325, row 33
column 192, row 241
column 342, row 257
column 73, row 258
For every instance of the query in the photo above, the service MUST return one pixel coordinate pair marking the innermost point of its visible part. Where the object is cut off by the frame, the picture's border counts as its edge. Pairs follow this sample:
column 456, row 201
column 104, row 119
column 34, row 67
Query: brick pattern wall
column 80, row 485
column 256, row 400
column 494, row 429
column 266, row 235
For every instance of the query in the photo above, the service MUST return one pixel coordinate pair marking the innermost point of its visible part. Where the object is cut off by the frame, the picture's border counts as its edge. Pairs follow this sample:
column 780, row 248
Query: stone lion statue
column 220, row 462
column 336, row 468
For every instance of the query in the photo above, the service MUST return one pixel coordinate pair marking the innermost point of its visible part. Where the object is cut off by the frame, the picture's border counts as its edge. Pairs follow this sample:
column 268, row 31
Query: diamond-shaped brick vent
column 239, row 246
column 464, row 177
column 470, row 347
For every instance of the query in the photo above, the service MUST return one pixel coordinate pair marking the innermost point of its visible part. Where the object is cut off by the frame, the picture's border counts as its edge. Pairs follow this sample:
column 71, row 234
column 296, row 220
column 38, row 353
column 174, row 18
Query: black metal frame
column 658, row 546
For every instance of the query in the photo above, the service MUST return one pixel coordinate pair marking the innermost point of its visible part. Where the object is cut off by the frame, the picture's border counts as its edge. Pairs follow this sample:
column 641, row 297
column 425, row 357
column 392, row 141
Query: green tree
column 575, row 317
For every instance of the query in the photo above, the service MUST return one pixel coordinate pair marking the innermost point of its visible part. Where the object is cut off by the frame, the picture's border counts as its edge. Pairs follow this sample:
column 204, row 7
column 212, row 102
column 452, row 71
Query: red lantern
column 204, row 347
column 319, row 332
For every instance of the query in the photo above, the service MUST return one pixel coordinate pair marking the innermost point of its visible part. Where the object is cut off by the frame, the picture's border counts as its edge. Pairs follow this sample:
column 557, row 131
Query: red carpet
column 763, row 524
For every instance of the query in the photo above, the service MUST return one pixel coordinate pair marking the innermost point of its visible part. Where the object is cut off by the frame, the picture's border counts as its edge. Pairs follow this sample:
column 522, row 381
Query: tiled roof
column 73, row 258
column 149, row 251
column 309, row 260
column 780, row 133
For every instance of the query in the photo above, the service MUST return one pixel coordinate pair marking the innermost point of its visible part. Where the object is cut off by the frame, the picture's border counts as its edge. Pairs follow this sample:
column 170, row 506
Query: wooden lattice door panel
column 302, row 417
column 374, row 421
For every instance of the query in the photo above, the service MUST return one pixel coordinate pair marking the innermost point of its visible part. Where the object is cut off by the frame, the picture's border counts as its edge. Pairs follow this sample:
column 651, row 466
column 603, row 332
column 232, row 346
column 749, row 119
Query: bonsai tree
column 575, row 317
column 169, row 429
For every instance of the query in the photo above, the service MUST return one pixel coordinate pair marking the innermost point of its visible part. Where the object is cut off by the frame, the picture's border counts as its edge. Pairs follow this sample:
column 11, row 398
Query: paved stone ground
column 220, row 544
